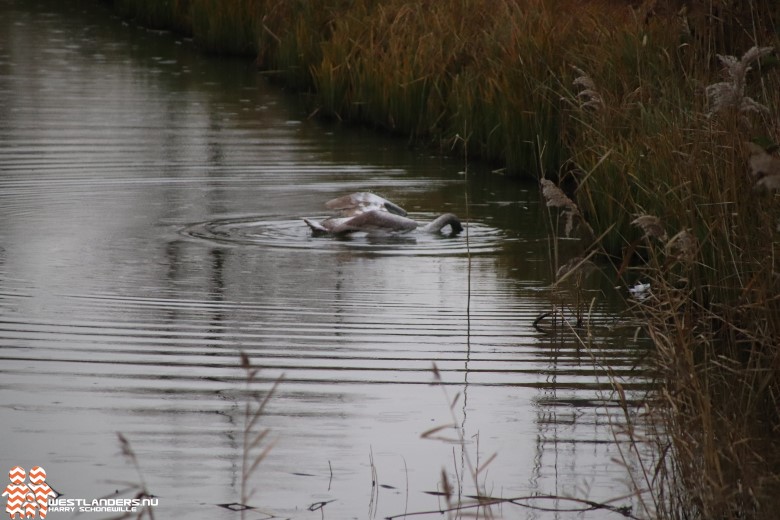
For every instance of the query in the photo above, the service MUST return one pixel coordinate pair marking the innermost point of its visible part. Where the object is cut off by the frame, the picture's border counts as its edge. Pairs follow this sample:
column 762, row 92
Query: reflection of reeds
column 140, row 489
column 481, row 504
column 255, row 445
column 454, row 493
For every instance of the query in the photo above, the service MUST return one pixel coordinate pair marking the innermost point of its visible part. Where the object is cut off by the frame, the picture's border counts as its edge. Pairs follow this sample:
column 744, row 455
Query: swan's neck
column 448, row 219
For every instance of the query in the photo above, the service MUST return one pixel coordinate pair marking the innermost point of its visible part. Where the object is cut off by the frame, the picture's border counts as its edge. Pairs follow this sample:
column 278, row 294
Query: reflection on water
column 150, row 229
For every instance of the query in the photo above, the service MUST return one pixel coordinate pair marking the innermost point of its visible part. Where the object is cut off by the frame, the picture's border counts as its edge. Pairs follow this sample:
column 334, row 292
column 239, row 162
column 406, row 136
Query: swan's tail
column 317, row 229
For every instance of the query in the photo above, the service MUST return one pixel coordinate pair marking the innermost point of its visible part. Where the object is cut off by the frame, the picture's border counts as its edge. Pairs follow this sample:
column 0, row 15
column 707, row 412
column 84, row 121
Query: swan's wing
column 362, row 202
column 375, row 221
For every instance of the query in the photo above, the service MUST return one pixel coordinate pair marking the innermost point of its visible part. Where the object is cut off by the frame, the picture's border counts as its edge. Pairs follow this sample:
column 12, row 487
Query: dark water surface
column 150, row 229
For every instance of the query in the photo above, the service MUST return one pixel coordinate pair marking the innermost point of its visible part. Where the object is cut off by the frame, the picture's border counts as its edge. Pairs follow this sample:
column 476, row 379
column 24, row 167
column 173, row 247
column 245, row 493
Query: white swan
column 372, row 214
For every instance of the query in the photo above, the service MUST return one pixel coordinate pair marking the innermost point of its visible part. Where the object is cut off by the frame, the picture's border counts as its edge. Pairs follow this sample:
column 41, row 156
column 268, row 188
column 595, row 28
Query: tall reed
column 664, row 160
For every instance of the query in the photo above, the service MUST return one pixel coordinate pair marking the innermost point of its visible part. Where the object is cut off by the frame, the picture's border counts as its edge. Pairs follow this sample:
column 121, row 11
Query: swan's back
column 375, row 221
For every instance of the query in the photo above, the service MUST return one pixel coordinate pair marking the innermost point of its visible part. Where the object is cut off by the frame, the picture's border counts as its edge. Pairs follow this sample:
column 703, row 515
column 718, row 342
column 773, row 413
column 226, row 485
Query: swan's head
column 455, row 225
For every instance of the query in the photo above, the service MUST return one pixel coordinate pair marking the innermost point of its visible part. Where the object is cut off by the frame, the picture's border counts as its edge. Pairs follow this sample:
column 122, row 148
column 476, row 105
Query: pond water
column 150, row 230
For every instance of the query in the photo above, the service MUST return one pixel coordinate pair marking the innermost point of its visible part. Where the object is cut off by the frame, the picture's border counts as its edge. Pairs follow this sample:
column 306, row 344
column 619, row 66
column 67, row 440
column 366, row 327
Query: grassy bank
column 661, row 117
column 430, row 71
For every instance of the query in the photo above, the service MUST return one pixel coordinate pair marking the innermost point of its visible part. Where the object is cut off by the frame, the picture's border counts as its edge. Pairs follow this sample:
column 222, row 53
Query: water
column 150, row 230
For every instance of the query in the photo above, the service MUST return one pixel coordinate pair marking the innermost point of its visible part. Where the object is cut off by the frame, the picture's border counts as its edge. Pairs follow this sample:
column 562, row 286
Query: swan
column 372, row 214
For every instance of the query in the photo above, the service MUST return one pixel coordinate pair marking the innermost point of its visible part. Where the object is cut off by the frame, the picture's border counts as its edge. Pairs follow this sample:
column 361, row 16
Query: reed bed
column 424, row 70
column 659, row 118
column 669, row 155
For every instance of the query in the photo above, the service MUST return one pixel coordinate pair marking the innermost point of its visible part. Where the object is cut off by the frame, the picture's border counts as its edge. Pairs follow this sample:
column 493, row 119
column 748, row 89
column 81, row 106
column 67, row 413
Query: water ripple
column 292, row 233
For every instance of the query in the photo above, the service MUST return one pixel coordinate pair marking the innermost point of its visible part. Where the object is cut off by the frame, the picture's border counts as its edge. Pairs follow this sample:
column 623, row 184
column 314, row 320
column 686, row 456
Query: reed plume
column 651, row 226
column 730, row 94
column 683, row 246
column 764, row 168
column 589, row 96
column 556, row 198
